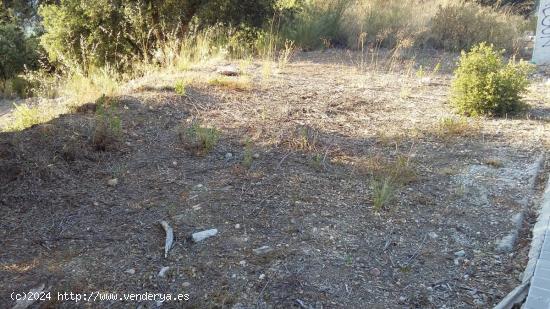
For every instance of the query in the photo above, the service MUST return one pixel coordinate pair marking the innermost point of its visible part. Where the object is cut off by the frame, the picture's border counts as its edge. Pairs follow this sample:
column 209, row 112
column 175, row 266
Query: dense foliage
column 100, row 32
column 16, row 51
column 486, row 85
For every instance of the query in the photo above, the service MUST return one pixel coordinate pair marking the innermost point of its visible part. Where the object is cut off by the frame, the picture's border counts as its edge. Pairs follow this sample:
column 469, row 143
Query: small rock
column 186, row 284
column 96, row 204
column 460, row 253
column 433, row 235
column 112, row 182
column 130, row 271
column 200, row 236
column 228, row 70
column 174, row 163
column 262, row 277
column 228, row 156
column 375, row 272
column 162, row 272
column 262, row 250
column 256, row 156
column 237, row 226
column 242, row 263
column 402, row 298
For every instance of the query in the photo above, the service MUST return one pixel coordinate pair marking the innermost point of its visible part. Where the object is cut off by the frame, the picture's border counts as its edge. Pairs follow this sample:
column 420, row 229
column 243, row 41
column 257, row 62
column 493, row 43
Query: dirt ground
column 320, row 130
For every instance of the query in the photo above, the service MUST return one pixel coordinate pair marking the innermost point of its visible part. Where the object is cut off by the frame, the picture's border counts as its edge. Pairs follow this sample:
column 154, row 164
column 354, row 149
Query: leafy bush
column 93, row 33
column 485, row 85
column 461, row 25
column 16, row 51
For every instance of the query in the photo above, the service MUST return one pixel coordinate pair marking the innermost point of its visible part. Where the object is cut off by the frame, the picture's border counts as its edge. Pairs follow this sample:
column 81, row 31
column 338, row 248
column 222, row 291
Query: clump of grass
column 286, row 54
column 181, row 87
column 108, row 126
column 241, row 83
column 304, row 138
column 200, row 140
column 383, row 192
column 496, row 163
column 81, row 88
column 454, row 126
column 25, row 116
column 248, row 156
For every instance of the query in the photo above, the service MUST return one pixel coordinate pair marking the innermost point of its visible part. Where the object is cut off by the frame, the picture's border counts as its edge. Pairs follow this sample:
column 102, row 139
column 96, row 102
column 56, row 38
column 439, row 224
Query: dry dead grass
column 241, row 83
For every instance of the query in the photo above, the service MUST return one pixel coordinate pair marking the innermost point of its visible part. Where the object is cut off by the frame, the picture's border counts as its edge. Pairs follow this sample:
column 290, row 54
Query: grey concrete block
column 542, row 273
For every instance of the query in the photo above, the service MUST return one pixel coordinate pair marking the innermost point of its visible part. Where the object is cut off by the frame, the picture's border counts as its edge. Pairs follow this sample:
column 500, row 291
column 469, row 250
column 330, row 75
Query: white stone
column 162, row 272
column 112, row 182
column 200, row 236
column 263, row 250
column 130, row 271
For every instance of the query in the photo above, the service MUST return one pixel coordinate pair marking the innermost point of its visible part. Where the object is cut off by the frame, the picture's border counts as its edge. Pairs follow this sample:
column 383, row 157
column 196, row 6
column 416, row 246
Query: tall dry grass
column 442, row 24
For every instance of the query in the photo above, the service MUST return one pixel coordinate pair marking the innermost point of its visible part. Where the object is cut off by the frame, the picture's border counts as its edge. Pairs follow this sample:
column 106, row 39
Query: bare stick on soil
column 169, row 237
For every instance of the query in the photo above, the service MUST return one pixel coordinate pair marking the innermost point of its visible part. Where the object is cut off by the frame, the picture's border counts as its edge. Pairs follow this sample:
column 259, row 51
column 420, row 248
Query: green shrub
column 16, row 51
column 92, row 33
column 485, row 85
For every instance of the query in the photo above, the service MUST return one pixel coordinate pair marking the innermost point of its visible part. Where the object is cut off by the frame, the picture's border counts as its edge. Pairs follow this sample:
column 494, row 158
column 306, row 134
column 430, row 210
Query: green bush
column 16, row 51
column 486, row 85
column 95, row 33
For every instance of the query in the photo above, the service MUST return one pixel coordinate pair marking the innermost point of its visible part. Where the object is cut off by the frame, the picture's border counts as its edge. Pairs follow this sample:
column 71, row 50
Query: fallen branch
column 169, row 237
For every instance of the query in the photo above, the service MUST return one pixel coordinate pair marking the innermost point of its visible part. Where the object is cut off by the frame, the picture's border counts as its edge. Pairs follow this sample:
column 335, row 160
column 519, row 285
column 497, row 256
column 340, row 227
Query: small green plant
column 180, row 87
column 383, row 192
column 317, row 161
column 485, row 85
column 248, row 156
column 420, row 73
column 108, row 126
column 201, row 140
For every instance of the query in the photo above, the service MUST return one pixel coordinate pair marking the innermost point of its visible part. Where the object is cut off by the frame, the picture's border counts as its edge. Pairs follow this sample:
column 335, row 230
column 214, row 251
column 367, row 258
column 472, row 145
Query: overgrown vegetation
column 485, row 84
column 93, row 46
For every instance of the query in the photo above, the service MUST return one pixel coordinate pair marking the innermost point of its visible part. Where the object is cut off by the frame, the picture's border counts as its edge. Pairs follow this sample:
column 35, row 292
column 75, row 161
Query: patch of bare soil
column 293, row 170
